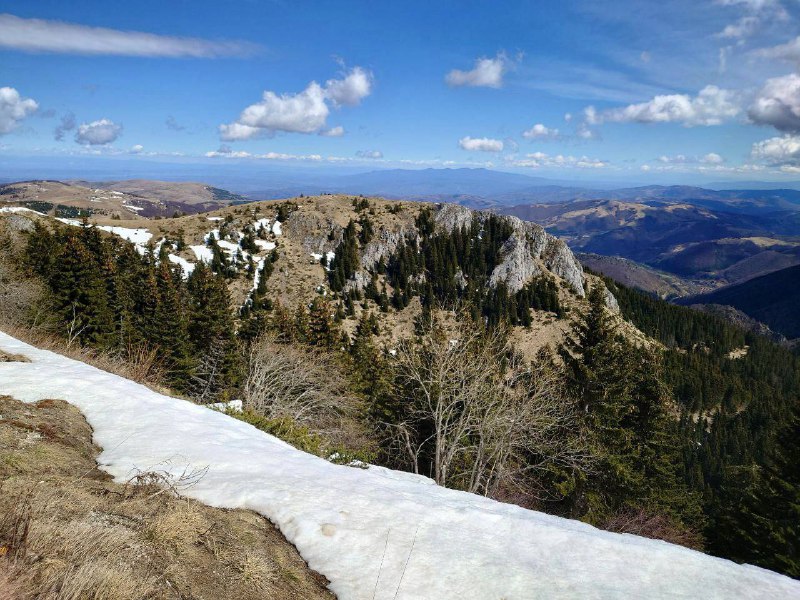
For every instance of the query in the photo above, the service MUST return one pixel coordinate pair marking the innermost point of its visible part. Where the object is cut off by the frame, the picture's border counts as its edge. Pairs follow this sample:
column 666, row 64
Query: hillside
column 771, row 299
column 118, row 199
column 720, row 245
column 351, row 524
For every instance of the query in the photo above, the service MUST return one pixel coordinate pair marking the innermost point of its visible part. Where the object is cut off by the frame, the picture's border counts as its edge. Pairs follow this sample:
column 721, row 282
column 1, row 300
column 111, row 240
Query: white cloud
column 487, row 72
column 539, row 160
column 98, row 133
column 744, row 27
column 372, row 154
column 778, row 151
column 778, row 104
column 790, row 52
column 14, row 108
column 351, row 90
column 40, row 35
column 711, row 106
column 712, row 158
column 480, row 144
column 304, row 112
column 539, row 132
column 337, row 131
column 136, row 149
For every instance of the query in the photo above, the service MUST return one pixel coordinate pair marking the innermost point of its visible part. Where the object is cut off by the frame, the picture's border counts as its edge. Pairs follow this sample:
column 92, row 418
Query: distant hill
column 681, row 238
column 772, row 299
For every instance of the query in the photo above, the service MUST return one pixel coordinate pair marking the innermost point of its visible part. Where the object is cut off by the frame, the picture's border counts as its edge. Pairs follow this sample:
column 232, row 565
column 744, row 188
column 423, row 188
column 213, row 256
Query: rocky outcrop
column 527, row 253
column 317, row 234
column 383, row 246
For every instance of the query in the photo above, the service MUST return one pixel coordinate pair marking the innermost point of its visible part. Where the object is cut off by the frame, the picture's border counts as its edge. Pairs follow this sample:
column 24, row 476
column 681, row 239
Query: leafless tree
column 305, row 386
column 476, row 415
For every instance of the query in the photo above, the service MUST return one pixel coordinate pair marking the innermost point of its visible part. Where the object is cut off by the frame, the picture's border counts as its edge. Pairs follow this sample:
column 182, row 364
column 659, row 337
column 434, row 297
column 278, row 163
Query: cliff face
column 528, row 252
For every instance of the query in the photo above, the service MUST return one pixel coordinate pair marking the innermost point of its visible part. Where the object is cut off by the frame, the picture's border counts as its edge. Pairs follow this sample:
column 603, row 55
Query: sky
column 672, row 91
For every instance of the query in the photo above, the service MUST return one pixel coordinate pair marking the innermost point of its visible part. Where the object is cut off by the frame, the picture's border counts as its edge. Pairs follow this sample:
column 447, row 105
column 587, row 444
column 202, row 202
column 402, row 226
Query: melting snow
column 265, row 245
column 375, row 533
column 185, row 264
column 276, row 228
column 16, row 209
column 203, row 253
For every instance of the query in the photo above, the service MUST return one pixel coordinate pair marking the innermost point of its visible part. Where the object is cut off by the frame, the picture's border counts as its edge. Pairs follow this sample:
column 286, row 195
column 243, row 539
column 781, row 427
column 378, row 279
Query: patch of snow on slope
column 203, row 253
column 265, row 245
column 139, row 237
column 276, row 228
column 375, row 533
column 17, row 209
column 185, row 264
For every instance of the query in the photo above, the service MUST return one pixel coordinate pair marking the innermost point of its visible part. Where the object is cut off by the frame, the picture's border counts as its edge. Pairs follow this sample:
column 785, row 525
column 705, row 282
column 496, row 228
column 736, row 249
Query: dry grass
column 68, row 532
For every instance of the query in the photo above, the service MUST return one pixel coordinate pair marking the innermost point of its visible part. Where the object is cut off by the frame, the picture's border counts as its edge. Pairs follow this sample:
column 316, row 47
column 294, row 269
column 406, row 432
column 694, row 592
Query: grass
column 68, row 532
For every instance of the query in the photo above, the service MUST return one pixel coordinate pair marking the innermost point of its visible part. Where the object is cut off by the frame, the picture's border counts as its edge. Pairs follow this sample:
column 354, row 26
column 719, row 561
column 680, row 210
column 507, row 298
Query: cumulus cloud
column 337, row 131
column 778, row 104
column 540, row 132
column 14, row 108
column 778, row 151
column 539, row 160
column 304, row 112
column 226, row 151
column 351, row 90
column 373, row 154
column 480, row 144
column 711, row 106
column 67, row 124
column 136, row 149
column 98, row 133
column 712, row 158
column 487, row 72
column 40, row 35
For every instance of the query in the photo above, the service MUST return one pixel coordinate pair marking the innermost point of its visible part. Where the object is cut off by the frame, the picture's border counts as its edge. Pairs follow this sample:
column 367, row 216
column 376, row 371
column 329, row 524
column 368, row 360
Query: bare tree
column 475, row 415
column 305, row 386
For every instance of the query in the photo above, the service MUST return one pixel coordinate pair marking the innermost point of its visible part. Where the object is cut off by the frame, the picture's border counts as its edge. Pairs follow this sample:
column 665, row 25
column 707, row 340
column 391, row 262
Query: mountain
column 771, row 299
column 327, row 317
column 119, row 199
column 681, row 238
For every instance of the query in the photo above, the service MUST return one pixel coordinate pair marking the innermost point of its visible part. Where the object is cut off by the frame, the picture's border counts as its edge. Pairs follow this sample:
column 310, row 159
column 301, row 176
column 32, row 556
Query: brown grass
column 68, row 532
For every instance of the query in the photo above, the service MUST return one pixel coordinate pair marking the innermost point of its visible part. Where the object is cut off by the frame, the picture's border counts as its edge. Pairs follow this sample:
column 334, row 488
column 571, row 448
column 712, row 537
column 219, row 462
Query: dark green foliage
column 108, row 296
column 445, row 268
column 760, row 508
column 732, row 410
column 39, row 206
column 346, row 259
column 72, row 212
column 624, row 400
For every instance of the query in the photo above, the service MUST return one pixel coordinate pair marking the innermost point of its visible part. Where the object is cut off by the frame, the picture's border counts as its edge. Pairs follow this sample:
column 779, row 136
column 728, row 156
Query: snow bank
column 375, row 533
column 17, row 209
column 185, row 264
column 203, row 253
column 138, row 237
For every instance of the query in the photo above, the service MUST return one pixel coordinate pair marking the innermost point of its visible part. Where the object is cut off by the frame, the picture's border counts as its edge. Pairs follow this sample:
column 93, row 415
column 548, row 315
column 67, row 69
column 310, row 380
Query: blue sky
column 672, row 91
